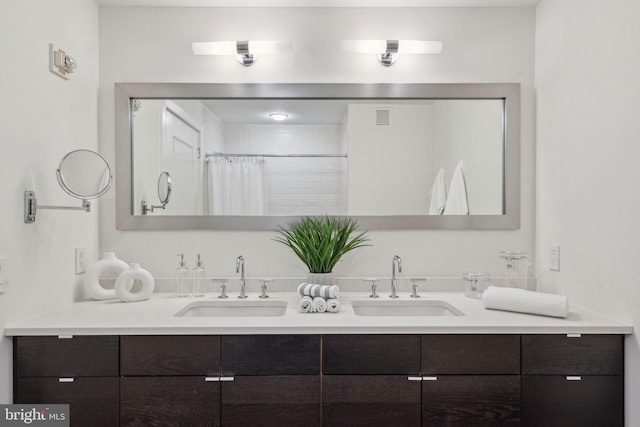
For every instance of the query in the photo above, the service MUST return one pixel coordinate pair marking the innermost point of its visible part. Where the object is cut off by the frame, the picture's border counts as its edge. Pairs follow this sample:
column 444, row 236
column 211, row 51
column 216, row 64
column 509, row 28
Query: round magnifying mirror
column 164, row 187
column 84, row 174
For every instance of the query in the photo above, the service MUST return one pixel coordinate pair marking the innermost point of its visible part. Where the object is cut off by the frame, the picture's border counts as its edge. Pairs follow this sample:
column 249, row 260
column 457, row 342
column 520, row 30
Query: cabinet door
column 370, row 400
column 169, row 401
column 270, row 355
column 371, row 354
column 470, row 354
column 549, row 401
column 271, row 401
column 170, row 355
column 471, row 400
column 563, row 355
column 66, row 357
column 93, row 401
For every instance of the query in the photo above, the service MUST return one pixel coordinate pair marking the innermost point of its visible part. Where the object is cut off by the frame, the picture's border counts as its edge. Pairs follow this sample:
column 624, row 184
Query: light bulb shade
column 380, row 46
column 258, row 47
column 214, row 48
column 364, row 46
column 419, row 46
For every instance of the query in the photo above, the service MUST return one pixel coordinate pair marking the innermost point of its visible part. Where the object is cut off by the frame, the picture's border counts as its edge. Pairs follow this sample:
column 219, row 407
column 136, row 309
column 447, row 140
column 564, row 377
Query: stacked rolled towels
column 519, row 300
column 318, row 298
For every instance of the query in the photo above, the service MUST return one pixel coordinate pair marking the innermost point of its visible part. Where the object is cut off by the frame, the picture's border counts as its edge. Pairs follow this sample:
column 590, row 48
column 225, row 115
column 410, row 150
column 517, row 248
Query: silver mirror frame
column 126, row 93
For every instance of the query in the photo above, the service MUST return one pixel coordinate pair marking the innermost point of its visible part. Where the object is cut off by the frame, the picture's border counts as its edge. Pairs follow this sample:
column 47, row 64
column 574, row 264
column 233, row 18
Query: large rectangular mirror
column 397, row 156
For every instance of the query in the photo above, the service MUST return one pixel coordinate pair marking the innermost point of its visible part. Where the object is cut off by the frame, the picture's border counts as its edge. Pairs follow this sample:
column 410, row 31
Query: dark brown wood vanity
column 329, row 380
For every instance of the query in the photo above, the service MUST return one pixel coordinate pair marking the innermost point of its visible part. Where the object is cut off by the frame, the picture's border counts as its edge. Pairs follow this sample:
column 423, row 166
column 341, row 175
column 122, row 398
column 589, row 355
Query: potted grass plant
column 320, row 242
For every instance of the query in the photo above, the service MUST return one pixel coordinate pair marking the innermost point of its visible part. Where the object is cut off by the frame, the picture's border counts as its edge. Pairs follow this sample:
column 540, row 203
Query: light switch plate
column 81, row 260
column 554, row 258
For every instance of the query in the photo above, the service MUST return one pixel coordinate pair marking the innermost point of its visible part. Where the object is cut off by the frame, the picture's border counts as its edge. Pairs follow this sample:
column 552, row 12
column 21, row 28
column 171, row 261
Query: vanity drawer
column 470, row 354
column 270, row 355
column 93, row 401
column 565, row 355
column 585, row 401
column 66, row 357
column 371, row 354
column 170, row 355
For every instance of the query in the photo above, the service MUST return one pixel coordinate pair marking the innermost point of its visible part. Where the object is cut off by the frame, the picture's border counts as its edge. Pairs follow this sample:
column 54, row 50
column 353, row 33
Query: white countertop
column 156, row 316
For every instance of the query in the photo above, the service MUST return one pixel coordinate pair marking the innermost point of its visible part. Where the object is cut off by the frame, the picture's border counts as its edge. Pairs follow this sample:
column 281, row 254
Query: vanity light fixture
column 388, row 50
column 278, row 117
column 246, row 51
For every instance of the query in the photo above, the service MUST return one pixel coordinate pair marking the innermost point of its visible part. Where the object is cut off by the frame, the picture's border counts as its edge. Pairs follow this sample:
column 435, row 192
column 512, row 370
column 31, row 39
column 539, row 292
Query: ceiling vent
column 383, row 117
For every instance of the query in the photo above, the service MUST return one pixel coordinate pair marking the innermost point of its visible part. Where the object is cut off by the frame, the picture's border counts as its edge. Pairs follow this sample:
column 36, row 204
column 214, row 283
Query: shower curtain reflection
column 237, row 186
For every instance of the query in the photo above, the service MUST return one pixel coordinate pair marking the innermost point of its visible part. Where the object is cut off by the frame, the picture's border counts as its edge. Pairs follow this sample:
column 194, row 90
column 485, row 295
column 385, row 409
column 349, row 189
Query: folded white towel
column 438, row 194
column 323, row 291
column 457, row 203
column 333, row 305
column 319, row 305
column 305, row 304
column 512, row 299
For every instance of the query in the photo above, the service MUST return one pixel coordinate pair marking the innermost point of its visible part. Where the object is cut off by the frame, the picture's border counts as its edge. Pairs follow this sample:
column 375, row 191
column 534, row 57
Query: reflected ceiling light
column 388, row 50
column 246, row 51
column 278, row 117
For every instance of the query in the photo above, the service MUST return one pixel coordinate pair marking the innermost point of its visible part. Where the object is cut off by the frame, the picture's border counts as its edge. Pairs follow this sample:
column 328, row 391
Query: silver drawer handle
column 429, row 378
column 414, row 378
column 212, row 379
column 65, row 380
column 574, row 378
column 574, row 335
column 227, row 379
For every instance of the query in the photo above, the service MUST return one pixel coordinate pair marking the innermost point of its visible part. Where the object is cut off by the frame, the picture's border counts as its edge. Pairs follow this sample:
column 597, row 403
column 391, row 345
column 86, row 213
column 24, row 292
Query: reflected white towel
column 319, row 305
column 333, row 305
column 457, row 203
column 512, row 299
column 438, row 194
column 305, row 304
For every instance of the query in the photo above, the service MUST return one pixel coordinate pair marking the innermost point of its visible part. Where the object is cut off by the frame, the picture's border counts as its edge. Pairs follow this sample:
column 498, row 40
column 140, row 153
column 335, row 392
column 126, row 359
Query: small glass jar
column 516, row 269
column 475, row 283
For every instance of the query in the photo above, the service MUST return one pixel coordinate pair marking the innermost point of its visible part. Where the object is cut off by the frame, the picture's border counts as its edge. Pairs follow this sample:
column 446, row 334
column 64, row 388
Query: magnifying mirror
column 83, row 174
column 164, row 193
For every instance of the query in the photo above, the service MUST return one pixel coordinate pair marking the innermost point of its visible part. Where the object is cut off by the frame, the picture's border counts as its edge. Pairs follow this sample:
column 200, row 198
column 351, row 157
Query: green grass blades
column 321, row 241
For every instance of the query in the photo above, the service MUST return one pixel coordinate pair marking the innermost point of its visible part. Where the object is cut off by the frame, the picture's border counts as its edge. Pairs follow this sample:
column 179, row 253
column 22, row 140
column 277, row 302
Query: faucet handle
column 374, row 286
column 414, row 286
column 263, row 288
column 223, row 286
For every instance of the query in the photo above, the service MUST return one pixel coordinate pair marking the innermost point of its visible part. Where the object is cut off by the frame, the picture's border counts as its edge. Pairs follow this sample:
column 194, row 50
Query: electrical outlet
column 4, row 276
column 81, row 260
column 554, row 258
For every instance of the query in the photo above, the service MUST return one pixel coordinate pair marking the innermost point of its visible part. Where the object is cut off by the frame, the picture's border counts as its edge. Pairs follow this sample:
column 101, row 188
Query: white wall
column 587, row 69
column 42, row 118
column 480, row 45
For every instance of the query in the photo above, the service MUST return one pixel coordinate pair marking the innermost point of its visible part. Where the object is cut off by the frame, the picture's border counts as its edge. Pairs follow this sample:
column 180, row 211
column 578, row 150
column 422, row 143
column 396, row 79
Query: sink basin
column 405, row 308
column 233, row 308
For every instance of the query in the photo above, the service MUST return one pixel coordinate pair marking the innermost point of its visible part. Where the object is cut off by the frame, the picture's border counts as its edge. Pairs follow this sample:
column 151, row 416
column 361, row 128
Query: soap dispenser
column 198, row 278
column 182, row 278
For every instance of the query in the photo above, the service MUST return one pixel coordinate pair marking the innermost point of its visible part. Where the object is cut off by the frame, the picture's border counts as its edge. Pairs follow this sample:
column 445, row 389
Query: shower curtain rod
column 273, row 155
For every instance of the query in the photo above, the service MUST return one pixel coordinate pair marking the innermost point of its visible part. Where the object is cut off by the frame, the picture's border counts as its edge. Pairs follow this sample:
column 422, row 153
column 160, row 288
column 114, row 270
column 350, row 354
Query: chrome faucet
column 396, row 261
column 243, row 282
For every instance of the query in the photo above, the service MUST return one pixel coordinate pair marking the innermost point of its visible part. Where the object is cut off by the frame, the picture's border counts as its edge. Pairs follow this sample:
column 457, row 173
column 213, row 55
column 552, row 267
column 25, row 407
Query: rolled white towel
column 319, row 305
column 519, row 300
column 333, row 305
column 323, row 291
column 305, row 304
